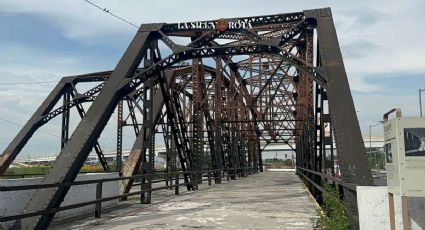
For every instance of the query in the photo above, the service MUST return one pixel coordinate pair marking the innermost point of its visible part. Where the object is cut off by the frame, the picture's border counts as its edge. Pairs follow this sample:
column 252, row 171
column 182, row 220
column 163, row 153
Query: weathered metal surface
column 76, row 150
column 275, row 93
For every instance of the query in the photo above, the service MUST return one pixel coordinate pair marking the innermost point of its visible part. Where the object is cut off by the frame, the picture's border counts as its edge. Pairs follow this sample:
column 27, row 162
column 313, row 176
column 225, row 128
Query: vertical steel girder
column 218, row 96
column 305, row 113
column 65, row 118
column 319, row 153
column 201, row 112
column 148, row 150
column 135, row 157
column 348, row 139
column 148, row 140
column 198, row 88
column 119, row 135
column 137, row 153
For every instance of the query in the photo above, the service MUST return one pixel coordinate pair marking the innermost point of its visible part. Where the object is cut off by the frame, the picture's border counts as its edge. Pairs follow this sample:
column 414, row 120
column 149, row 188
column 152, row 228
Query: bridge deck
column 270, row 200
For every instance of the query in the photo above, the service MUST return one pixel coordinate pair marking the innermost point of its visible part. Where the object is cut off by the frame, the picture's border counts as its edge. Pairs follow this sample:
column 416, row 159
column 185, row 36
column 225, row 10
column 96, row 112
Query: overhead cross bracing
column 228, row 84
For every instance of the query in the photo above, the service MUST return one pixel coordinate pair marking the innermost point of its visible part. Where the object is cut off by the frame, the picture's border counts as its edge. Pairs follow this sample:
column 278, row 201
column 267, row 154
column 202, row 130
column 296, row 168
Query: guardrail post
column 209, row 178
column 170, row 180
column 98, row 207
column 227, row 174
column 145, row 197
column 220, row 176
column 142, row 188
column 217, row 176
column 177, row 184
column 195, row 180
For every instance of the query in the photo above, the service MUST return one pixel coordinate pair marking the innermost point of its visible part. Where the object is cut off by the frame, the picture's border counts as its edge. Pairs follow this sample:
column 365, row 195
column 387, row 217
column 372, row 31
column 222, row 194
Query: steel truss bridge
column 279, row 80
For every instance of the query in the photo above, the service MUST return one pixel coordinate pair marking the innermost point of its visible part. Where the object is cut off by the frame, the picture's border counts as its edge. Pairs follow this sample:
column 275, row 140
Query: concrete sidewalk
column 270, row 200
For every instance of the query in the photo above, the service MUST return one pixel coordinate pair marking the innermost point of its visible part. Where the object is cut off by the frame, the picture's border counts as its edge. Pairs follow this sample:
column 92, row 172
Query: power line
column 12, row 122
column 28, row 83
column 110, row 13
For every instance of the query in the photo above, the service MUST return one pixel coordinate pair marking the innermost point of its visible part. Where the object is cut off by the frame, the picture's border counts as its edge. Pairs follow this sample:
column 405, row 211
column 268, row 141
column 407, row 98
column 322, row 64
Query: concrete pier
column 270, row 200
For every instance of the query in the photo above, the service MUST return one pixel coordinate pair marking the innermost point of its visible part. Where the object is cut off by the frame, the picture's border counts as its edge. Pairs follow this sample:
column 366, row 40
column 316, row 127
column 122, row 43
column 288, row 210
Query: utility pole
column 420, row 100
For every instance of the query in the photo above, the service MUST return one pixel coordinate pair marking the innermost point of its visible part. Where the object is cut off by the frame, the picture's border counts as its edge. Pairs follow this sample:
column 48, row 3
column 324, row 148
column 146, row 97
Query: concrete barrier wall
column 374, row 211
column 13, row 202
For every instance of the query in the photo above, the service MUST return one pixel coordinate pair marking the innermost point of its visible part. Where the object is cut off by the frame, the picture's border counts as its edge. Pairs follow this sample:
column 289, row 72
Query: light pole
column 420, row 100
column 370, row 135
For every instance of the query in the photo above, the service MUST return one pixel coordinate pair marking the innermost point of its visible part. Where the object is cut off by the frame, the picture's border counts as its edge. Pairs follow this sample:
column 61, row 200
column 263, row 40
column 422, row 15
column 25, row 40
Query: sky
column 44, row 40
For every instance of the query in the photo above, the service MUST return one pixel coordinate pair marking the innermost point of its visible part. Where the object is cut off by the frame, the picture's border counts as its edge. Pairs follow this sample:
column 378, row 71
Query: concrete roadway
column 270, row 200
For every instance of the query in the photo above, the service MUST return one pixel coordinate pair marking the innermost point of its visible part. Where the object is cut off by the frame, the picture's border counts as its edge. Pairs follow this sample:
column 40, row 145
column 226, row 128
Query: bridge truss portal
column 228, row 84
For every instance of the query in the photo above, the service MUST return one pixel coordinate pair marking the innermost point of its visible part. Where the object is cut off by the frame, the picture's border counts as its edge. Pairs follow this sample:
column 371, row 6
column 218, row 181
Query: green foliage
column 334, row 216
column 376, row 159
column 33, row 171
column 27, row 170
column 278, row 163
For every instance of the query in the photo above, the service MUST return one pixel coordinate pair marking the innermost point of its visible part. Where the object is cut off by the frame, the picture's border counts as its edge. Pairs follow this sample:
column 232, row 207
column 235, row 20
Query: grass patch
column 27, row 170
column 278, row 163
column 334, row 215
column 91, row 169
column 31, row 171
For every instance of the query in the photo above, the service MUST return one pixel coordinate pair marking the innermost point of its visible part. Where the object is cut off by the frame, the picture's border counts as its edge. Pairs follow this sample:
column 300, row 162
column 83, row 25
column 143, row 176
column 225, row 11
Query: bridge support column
column 119, row 136
column 348, row 139
column 148, row 151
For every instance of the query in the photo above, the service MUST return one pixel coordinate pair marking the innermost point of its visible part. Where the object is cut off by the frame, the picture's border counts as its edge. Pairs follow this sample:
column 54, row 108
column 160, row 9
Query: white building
column 272, row 150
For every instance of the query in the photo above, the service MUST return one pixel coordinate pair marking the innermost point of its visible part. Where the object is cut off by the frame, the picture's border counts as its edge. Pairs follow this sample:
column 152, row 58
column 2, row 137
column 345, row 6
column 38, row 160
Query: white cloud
column 75, row 18
column 372, row 107
column 377, row 37
column 35, row 64
column 358, row 83
column 384, row 24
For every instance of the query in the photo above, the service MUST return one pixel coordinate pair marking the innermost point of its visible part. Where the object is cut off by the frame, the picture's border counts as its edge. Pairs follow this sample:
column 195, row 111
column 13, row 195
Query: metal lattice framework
column 215, row 99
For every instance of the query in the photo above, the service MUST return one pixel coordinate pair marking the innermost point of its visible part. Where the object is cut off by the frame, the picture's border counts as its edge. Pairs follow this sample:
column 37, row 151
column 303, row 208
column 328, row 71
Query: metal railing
column 32, row 175
column 301, row 171
column 210, row 175
column 326, row 177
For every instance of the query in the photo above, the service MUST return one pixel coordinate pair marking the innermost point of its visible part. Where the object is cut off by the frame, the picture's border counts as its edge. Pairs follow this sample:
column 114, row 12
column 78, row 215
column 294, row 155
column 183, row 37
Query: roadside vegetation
column 278, row 163
column 376, row 159
column 31, row 171
column 333, row 215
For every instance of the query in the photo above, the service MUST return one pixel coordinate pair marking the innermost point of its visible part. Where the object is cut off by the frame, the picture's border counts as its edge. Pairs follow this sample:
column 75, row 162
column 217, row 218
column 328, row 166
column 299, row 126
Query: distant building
column 272, row 150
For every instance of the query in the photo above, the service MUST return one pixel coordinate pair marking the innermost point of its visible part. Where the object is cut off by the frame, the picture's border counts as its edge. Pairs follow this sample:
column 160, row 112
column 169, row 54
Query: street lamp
column 370, row 137
column 370, row 134
column 420, row 100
